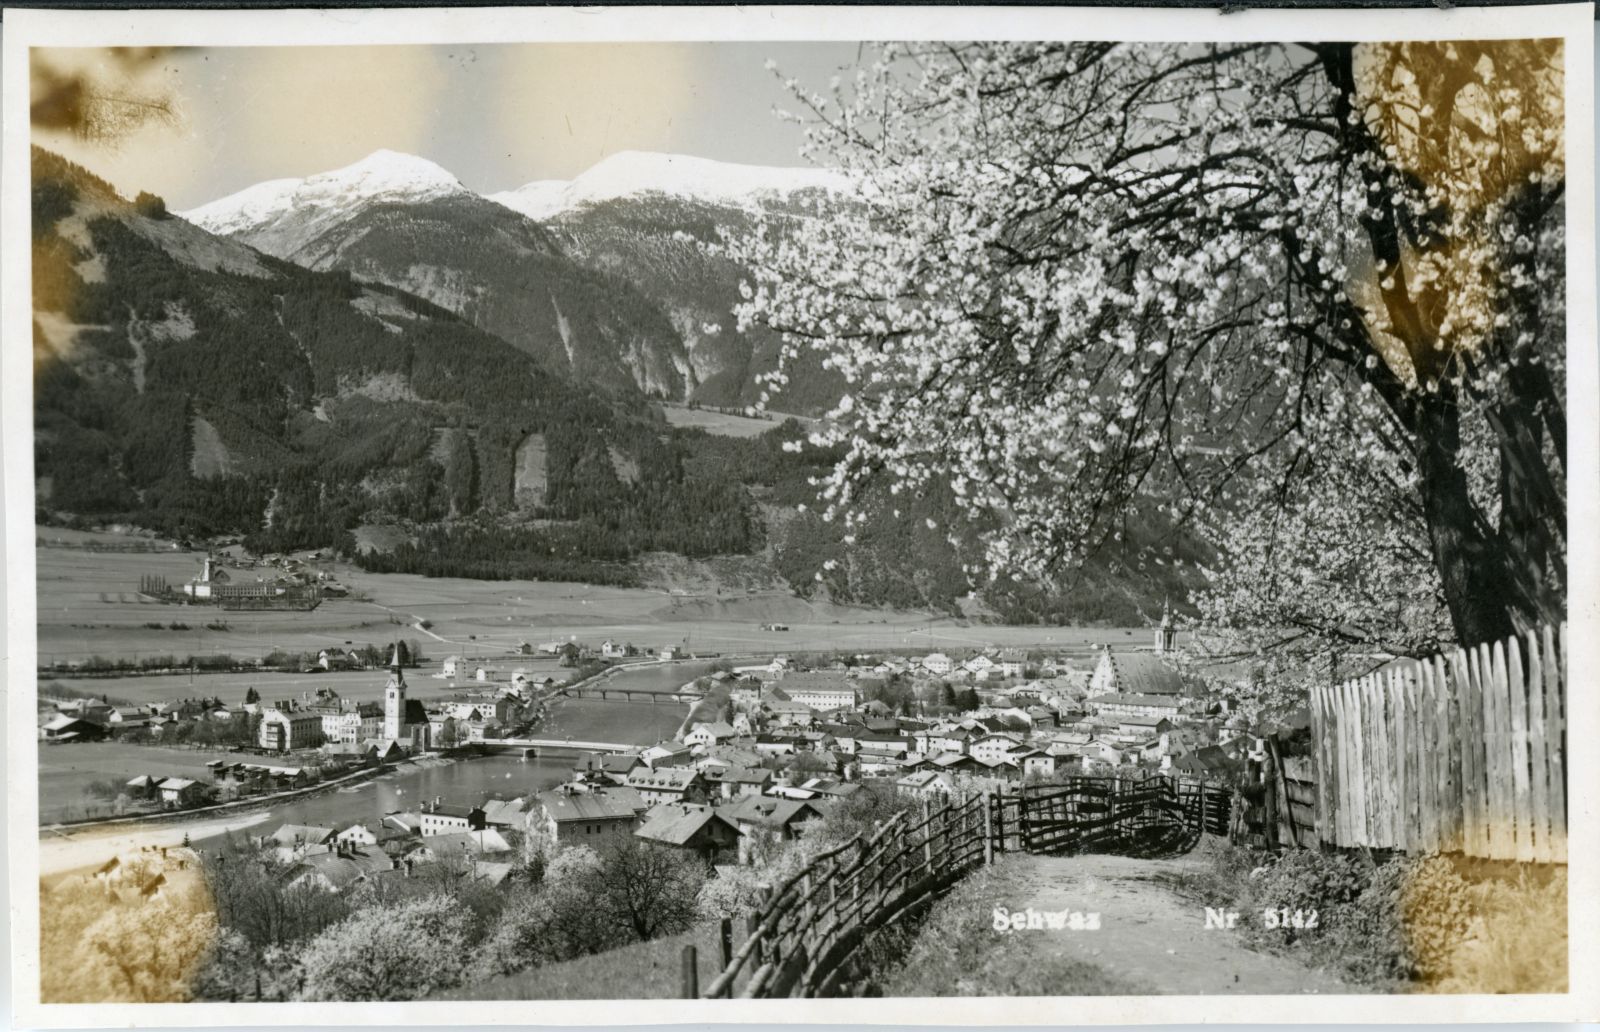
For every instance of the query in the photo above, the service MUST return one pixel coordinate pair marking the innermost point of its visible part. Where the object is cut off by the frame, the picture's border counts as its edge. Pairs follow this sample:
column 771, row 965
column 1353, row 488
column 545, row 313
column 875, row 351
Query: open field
column 88, row 605
column 359, row 685
column 725, row 423
column 65, row 770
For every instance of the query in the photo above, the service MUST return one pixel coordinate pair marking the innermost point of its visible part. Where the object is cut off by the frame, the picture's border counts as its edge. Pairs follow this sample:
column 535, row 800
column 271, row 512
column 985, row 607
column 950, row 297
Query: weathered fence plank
column 1555, row 706
column 1538, row 767
column 1474, row 799
column 1521, row 792
column 1459, row 752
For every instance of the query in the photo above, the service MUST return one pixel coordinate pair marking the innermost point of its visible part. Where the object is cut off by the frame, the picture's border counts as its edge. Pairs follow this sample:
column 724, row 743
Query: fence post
column 725, row 941
column 927, row 832
column 988, row 827
column 691, row 973
column 1280, row 789
column 764, row 893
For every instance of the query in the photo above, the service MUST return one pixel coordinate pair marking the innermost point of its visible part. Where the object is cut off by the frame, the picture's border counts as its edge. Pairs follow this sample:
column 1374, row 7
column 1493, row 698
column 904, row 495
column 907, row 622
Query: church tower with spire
column 1166, row 634
column 394, row 701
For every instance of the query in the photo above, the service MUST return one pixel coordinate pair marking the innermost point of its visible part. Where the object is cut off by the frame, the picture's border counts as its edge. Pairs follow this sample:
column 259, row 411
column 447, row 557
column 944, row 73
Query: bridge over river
column 543, row 746
column 600, row 689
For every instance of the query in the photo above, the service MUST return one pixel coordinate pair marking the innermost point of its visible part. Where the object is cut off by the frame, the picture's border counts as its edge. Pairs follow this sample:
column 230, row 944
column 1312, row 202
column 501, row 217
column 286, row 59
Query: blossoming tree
column 1304, row 298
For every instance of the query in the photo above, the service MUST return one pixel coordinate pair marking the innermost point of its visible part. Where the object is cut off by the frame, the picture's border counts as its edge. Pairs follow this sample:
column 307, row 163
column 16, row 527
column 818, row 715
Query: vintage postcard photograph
column 710, row 507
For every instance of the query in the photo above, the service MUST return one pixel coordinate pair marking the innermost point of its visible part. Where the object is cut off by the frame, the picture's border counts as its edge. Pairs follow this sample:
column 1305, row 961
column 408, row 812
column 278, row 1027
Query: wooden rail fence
column 801, row 937
column 804, row 933
column 1461, row 752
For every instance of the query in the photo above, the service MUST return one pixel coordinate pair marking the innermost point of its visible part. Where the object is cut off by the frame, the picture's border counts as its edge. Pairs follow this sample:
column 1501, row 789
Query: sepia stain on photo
column 634, row 521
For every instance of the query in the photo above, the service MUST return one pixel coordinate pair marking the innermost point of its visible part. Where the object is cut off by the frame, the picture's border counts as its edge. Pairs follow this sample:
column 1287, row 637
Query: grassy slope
column 642, row 971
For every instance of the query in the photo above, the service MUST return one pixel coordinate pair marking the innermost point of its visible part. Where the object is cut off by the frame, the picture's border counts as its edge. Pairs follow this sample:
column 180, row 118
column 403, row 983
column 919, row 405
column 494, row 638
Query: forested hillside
column 190, row 384
column 193, row 385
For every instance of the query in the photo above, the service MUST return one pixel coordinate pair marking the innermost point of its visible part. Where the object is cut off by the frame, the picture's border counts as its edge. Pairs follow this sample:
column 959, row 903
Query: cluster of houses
column 792, row 744
column 719, row 812
column 268, row 579
column 227, row 781
column 317, row 719
column 90, row 719
column 1033, row 718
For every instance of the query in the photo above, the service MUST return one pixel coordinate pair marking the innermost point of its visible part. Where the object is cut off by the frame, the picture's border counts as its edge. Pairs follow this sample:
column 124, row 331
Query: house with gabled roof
column 926, row 784
column 64, row 728
column 442, row 818
column 1134, row 673
column 610, row 768
column 708, row 733
column 667, row 784
column 765, row 819
column 594, row 817
column 729, row 783
column 692, row 826
column 340, row 869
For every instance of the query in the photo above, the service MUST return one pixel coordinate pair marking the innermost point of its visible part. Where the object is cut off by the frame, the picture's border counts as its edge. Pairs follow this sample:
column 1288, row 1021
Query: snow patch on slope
column 639, row 173
column 383, row 175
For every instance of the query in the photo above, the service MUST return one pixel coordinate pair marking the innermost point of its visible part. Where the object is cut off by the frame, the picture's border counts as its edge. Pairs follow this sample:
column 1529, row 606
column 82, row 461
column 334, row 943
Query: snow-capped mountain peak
column 383, row 175
column 636, row 173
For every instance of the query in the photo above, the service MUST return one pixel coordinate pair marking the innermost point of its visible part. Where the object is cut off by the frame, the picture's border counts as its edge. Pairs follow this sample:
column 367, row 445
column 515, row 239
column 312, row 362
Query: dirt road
column 1148, row 933
column 63, row 851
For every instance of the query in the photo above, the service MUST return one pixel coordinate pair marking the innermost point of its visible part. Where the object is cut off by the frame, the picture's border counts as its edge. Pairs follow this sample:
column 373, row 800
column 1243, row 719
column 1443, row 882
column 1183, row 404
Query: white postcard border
column 25, row 28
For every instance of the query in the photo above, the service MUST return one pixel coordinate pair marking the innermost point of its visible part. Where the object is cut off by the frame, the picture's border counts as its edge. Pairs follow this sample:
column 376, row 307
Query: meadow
column 89, row 605
column 66, row 770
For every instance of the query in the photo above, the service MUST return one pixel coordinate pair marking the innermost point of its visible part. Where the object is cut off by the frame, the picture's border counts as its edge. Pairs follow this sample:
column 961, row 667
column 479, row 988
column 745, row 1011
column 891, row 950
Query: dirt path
column 64, row 851
column 1148, row 933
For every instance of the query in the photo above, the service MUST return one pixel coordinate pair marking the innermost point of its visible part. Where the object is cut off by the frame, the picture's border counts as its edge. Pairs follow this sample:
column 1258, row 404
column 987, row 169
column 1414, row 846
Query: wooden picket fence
column 1464, row 752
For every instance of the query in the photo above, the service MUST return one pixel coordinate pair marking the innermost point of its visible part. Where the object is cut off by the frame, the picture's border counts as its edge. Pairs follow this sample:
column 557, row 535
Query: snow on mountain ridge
column 381, row 175
column 632, row 173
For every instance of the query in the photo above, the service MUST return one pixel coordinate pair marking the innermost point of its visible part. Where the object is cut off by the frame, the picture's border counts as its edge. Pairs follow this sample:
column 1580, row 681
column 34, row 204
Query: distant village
column 769, row 747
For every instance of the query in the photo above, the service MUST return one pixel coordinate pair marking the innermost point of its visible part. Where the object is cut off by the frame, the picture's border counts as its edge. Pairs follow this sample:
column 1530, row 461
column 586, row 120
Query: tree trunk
column 1472, row 567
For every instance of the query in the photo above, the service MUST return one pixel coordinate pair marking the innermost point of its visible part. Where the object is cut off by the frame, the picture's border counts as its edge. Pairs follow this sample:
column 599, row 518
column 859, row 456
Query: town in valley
column 640, row 520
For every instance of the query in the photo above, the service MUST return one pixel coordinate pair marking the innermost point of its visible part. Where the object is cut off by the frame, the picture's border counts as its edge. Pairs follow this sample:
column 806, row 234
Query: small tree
column 648, row 889
column 151, row 953
column 400, row 952
column 150, row 206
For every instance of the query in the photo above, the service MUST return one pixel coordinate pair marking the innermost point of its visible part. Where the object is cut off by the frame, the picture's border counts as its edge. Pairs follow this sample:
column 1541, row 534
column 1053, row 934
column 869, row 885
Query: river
column 467, row 781
column 505, row 775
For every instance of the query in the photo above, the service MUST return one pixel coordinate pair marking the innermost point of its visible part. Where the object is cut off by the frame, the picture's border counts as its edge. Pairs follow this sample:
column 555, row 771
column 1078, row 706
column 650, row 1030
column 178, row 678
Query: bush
column 103, row 789
column 400, row 952
column 1517, row 940
column 1306, row 880
column 1406, row 923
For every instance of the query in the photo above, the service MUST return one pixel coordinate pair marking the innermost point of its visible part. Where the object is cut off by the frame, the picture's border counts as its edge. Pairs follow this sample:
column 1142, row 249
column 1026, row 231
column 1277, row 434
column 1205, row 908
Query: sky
column 497, row 115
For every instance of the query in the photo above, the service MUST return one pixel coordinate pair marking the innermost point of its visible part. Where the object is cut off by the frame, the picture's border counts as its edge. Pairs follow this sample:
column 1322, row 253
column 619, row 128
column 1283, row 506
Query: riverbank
column 350, row 799
column 66, row 846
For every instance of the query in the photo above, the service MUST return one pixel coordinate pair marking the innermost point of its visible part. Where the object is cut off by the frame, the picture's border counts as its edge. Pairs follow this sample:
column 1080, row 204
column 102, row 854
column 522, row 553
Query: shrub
column 1307, row 880
column 1517, row 940
column 103, row 789
column 1408, row 923
column 400, row 952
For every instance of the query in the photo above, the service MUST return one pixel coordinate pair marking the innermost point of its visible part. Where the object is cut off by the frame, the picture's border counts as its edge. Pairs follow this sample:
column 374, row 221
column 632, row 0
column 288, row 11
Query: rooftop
column 678, row 823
